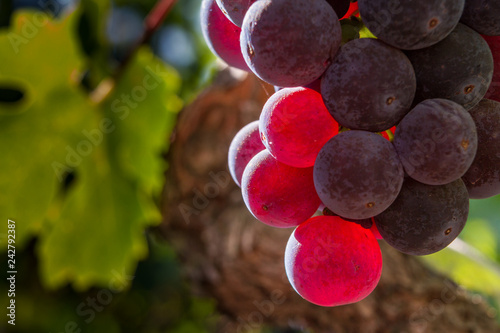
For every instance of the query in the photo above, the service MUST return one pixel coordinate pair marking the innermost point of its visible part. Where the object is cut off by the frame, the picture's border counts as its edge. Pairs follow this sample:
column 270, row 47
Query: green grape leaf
column 91, row 231
column 102, row 221
column 34, row 34
column 35, row 131
column 144, row 108
column 111, row 203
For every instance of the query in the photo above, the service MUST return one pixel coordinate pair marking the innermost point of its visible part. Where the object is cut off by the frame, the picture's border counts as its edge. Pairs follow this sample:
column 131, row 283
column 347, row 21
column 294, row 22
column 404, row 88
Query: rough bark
column 230, row 256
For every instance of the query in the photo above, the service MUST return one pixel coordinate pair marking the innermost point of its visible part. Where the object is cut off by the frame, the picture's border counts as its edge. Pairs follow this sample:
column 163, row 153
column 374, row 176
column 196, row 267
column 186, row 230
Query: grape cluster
column 386, row 134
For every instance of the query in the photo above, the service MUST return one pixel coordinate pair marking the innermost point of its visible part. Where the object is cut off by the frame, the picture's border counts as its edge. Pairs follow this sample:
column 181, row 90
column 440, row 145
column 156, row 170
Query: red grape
column 332, row 262
column 277, row 194
column 221, row 35
column 245, row 145
column 295, row 124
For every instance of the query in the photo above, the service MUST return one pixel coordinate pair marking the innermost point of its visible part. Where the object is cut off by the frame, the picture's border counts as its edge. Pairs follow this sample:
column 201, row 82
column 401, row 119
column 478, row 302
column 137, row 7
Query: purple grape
column 411, row 24
column 369, row 86
column 483, row 16
column 458, row 68
column 483, row 177
column 289, row 43
column 424, row 219
column 357, row 174
column 436, row 141
column 245, row 145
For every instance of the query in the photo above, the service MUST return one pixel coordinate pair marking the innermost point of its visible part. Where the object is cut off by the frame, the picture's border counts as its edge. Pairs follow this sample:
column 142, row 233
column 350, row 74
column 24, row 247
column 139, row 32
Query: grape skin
column 245, row 145
column 410, row 24
column 459, row 68
column 436, row 141
column 277, row 194
column 289, row 43
column 424, row 219
column 482, row 16
column 483, row 177
column 357, row 174
column 221, row 36
column 369, row 86
column 331, row 262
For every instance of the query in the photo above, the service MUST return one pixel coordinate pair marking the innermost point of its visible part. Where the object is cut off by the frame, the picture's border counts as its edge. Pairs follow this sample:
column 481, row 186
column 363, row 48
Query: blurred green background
column 76, row 152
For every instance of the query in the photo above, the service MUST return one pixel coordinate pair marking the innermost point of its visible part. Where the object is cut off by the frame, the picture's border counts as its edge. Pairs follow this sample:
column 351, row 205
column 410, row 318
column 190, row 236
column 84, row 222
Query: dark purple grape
column 483, row 16
column 289, row 43
column 357, row 174
column 436, row 141
column 235, row 10
column 424, row 219
column 458, row 68
column 370, row 85
column 411, row 24
column 340, row 6
column 483, row 177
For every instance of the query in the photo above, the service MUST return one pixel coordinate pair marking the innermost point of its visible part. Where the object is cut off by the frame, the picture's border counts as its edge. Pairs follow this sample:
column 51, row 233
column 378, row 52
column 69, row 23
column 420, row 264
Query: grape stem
column 152, row 22
column 343, row 129
column 390, row 135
